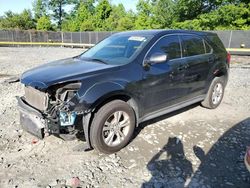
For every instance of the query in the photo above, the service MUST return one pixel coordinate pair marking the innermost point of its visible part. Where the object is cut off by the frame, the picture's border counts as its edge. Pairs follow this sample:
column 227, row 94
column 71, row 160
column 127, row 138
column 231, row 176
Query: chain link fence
column 53, row 37
column 231, row 39
column 235, row 39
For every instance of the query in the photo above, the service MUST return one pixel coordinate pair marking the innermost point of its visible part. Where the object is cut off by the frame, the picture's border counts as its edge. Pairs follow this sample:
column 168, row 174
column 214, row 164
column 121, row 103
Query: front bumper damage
column 31, row 120
column 40, row 125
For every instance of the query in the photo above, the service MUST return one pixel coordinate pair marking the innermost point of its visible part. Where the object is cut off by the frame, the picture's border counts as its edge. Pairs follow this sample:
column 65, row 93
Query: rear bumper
column 31, row 120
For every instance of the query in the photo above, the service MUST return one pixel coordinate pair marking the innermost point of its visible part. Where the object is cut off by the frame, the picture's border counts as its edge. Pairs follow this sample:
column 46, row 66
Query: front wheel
column 215, row 93
column 112, row 127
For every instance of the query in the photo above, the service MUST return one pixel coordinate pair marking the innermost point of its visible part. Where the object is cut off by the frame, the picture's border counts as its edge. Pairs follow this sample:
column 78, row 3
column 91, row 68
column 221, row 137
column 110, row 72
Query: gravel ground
column 193, row 147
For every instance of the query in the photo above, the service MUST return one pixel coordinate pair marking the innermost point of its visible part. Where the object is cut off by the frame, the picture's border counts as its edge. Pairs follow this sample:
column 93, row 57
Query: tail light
column 228, row 58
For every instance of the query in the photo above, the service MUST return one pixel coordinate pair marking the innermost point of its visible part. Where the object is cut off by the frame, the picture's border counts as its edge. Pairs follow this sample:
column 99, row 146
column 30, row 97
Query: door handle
column 182, row 67
column 210, row 60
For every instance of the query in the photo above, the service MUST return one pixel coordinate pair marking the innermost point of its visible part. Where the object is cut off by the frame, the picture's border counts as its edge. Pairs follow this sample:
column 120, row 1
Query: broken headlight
column 68, row 91
column 65, row 94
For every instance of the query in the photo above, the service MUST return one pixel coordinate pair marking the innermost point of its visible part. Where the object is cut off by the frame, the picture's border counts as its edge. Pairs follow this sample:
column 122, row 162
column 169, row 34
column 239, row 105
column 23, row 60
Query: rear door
column 198, row 60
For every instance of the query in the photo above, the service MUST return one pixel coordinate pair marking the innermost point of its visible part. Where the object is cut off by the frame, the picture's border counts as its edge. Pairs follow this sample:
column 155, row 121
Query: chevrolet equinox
column 127, row 78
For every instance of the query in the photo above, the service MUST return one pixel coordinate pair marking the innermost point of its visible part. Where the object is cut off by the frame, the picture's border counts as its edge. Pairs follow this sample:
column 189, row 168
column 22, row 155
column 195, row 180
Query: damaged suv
column 128, row 78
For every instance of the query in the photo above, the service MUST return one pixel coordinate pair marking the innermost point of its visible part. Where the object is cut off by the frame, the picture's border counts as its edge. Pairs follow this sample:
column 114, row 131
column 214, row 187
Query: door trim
column 172, row 108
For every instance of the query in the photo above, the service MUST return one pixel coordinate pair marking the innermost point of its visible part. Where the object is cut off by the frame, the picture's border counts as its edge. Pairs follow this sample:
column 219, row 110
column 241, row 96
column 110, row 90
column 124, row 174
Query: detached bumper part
column 31, row 124
column 31, row 120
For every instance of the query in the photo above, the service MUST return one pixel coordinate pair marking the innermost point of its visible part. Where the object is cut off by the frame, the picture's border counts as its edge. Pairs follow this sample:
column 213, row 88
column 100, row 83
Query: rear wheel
column 215, row 93
column 112, row 127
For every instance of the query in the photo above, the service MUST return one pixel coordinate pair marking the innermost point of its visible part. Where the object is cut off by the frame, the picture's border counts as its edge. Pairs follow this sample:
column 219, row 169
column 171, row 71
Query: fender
column 93, row 96
column 217, row 70
column 99, row 91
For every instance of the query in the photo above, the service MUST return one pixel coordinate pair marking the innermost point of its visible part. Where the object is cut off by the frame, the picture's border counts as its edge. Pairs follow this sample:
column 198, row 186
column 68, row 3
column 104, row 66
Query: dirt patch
column 4, row 75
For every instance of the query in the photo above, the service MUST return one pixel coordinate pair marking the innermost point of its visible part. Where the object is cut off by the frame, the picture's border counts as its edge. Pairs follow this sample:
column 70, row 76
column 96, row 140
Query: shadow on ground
column 222, row 166
column 160, row 118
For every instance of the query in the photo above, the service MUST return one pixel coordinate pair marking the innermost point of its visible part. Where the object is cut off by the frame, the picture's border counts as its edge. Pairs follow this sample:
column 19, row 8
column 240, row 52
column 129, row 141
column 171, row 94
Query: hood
column 60, row 71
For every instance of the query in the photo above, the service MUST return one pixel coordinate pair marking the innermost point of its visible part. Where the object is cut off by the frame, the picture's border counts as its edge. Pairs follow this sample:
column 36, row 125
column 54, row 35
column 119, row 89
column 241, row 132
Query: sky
column 18, row 5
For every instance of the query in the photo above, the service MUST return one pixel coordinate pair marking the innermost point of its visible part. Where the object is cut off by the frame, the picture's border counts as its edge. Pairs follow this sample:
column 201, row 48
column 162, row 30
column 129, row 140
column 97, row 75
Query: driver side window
column 169, row 45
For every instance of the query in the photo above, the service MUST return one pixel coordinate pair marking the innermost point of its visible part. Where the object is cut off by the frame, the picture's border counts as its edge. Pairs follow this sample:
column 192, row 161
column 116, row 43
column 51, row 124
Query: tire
column 211, row 101
column 108, row 121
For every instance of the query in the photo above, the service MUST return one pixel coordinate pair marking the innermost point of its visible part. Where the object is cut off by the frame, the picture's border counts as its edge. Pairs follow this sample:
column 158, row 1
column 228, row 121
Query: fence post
column 30, row 37
column 80, row 37
column 12, row 36
column 89, row 38
column 96, row 37
column 62, row 39
column 230, row 39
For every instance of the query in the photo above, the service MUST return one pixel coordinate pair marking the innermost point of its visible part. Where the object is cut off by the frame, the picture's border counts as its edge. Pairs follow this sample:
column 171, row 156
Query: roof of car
column 163, row 32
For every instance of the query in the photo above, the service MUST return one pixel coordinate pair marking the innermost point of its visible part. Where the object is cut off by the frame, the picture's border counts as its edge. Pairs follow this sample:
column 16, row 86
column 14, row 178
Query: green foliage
column 22, row 21
column 163, row 13
column 39, row 8
column 144, row 17
column 58, row 11
column 235, row 17
column 81, row 20
column 44, row 24
column 126, row 23
column 101, row 15
column 118, row 20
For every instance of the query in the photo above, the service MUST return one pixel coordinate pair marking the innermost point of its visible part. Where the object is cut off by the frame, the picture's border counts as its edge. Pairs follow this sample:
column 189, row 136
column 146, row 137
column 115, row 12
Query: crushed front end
column 43, row 113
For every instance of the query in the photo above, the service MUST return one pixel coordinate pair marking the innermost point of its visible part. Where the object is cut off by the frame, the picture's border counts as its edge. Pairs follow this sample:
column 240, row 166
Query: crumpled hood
column 60, row 71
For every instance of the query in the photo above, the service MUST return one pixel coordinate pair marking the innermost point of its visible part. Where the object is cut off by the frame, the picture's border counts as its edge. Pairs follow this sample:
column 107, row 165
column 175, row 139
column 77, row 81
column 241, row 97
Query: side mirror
column 157, row 58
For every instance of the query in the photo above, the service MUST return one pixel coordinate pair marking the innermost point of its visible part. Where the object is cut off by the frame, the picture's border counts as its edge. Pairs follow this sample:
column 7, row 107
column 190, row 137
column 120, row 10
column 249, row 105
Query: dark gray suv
column 128, row 78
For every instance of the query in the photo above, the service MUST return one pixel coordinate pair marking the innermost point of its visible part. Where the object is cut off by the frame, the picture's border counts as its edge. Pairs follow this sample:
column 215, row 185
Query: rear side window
column 208, row 48
column 192, row 45
column 169, row 45
column 216, row 42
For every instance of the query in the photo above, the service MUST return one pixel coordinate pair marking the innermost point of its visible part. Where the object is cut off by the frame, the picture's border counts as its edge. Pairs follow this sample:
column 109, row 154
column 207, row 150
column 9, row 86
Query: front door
column 163, row 82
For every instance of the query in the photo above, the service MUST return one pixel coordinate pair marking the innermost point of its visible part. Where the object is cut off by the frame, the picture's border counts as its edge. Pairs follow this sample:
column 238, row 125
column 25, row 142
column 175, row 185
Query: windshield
column 117, row 49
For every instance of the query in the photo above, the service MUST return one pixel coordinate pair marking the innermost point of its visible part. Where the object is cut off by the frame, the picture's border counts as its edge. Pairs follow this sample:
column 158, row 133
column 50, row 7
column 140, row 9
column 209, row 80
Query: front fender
column 99, row 91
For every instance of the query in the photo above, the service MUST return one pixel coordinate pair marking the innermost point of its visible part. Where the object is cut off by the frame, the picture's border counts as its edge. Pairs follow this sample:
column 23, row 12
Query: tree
column 191, row 9
column 39, row 8
column 163, row 13
column 57, row 7
column 234, row 17
column 187, row 10
column 81, row 20
column 22, row 21
column 44, row 24
column 83, row 17
column 126, row 23
column 102, row 12
column 144, row 16
column 101, row 15
column 118, row 12
column 88, row 3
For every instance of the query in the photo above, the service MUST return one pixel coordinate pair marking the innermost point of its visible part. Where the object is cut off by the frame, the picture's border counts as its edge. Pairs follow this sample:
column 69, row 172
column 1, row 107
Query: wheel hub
column 116, row 128
column 217, row 93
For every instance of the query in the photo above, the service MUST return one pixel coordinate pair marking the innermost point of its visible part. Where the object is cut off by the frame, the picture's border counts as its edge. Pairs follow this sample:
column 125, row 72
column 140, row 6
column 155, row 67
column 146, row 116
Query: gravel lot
column 193, row 147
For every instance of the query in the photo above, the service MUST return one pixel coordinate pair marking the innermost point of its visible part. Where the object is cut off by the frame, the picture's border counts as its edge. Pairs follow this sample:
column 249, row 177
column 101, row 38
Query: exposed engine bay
column 54, row 110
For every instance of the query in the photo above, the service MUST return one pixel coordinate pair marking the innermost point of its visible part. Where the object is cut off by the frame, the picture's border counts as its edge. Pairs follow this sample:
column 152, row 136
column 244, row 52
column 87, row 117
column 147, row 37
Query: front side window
column 117, row 49
column 169, row 45
column 192, row 45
